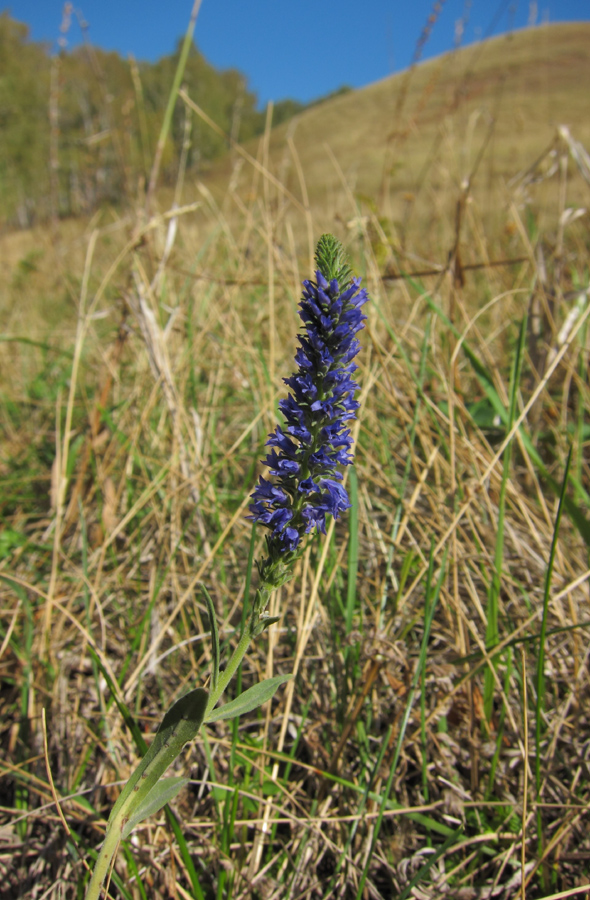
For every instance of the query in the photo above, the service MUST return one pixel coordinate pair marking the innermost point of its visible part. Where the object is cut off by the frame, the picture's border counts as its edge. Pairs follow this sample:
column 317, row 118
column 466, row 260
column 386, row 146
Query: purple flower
column 315, row 440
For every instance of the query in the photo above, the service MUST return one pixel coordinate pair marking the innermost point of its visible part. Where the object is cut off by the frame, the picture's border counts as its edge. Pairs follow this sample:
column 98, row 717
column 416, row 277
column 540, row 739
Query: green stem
column 226, row 676
column 104, row 860
column 157, row 760
column 180, row 724
column 188, row 39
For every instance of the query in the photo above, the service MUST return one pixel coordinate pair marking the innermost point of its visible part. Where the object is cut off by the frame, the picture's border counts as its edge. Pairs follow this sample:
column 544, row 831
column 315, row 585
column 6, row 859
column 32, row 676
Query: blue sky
column 291, row 48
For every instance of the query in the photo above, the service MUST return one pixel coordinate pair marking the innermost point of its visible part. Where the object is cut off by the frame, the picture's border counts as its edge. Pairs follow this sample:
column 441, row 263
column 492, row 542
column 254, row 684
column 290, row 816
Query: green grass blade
column 424, row 870
column 353, row 550
column 185, row 854
column 214, row 638
column 430, row 601
column 540, row 702
column 494, row 591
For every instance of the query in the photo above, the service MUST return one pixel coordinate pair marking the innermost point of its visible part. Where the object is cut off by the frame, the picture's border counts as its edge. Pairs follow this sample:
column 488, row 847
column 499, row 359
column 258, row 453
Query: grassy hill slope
column 408, row 141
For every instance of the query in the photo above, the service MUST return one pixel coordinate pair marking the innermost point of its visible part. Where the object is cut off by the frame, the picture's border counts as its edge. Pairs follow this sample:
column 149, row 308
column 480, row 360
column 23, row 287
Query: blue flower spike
column 305, row 486
column 315, row 442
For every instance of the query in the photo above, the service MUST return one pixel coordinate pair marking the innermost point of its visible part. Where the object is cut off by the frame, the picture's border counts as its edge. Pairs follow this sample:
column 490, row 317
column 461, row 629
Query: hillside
column 407, row 142
column 397, row 151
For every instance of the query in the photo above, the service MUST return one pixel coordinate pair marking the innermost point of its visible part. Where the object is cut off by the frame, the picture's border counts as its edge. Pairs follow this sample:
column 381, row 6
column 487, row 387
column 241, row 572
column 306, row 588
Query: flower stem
column 103, row 863
column 226, row 676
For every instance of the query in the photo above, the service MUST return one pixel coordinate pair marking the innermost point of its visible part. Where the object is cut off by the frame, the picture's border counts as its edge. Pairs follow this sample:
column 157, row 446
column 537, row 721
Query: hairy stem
column 226, row 676
column 108, row 850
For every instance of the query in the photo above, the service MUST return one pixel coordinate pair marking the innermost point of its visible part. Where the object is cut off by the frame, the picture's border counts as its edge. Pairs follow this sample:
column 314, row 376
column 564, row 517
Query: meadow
column 434, row 741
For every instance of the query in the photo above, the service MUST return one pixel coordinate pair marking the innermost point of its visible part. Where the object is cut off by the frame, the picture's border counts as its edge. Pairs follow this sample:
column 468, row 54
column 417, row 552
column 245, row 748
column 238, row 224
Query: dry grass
column 402, row 760
column 407, row 143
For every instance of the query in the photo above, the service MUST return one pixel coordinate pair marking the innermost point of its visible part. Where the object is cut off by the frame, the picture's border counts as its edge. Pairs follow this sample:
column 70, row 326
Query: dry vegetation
column 436, row 739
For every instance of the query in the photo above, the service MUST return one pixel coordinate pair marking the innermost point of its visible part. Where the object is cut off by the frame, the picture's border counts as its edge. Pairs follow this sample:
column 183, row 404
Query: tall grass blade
column 540, row 702
column 430, row 601
column 353, row 550
column 494, row 591
column 214, row 637
column 167, row 121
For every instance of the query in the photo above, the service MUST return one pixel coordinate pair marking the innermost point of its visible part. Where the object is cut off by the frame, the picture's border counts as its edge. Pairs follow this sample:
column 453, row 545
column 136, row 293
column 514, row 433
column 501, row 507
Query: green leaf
column 332, row 262
column 249, row 700
column 10, row 539
column 270, row 789
column 180, row 724
column 162, row 793
column 263, row 623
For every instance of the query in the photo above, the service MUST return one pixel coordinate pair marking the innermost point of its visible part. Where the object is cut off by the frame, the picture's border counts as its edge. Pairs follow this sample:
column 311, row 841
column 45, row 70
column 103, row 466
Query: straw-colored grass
column 435, row 740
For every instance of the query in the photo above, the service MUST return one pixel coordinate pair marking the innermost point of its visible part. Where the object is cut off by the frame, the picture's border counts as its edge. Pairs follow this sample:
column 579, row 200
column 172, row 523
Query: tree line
column 80, row 128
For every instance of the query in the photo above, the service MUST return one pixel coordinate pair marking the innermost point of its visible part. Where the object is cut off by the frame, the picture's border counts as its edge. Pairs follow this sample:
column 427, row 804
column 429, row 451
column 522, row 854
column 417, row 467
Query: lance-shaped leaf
column 180, row 725
column 249, row 700
column 162, row 793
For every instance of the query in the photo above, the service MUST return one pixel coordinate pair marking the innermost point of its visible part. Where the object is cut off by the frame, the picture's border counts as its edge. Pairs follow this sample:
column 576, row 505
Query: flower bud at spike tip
column 308, row 451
